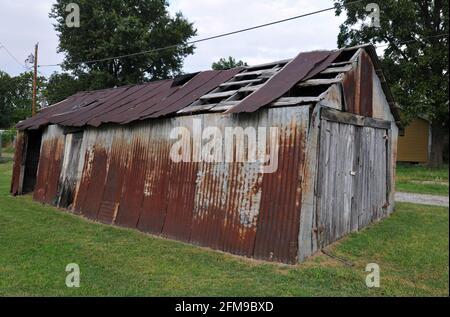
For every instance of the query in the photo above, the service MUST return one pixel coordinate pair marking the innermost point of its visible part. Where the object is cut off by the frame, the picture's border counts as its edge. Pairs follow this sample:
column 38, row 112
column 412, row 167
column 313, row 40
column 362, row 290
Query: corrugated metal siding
column 19, row 160
column 69, row 179
column 278, row 228
column 366, row 90
column 358, row 87
column 50, row 162
column 125, row 177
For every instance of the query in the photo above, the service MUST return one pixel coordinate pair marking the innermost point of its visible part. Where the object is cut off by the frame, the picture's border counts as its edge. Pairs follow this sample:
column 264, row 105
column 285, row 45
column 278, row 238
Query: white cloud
column 25, row 22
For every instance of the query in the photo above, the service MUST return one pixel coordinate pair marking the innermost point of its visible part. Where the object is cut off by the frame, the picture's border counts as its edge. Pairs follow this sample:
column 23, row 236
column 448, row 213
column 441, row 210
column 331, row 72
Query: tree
column 6, row 84
column 415, row 59
column 111, row 28
column 15, row 97
column 227, row 63
column 22, row 95
column 62, row 85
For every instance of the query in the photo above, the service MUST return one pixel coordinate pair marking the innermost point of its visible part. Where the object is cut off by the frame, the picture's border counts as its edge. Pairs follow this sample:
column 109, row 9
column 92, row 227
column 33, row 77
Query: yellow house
column 414, row 143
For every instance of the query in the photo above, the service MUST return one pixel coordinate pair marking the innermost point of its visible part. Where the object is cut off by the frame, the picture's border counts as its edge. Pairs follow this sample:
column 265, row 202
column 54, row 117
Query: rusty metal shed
column 106, row 155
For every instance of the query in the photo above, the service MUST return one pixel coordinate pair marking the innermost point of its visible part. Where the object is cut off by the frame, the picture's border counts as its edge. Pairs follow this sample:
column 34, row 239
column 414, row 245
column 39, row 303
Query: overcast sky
column 25, row 22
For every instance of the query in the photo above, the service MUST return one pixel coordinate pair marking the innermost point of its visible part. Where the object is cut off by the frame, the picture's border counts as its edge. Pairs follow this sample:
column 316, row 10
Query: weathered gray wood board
column 352, row 179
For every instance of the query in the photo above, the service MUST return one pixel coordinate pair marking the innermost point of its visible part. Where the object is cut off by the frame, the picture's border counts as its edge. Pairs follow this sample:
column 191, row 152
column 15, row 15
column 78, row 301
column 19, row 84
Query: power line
column 13, row 57
column 206, row 38
column 412, row 41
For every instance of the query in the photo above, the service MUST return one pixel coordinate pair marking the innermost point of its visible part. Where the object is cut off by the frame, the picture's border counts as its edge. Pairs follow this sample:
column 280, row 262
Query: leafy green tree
column 227, row 63
column 6, row 84
column 16, row 97
column 62, row 85
column 111, row 28
column 22, row 95
column 415, row 58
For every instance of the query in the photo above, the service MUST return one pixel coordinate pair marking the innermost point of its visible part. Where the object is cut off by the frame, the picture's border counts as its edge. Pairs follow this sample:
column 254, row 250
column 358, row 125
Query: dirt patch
column 430, row 182
column 422, row 199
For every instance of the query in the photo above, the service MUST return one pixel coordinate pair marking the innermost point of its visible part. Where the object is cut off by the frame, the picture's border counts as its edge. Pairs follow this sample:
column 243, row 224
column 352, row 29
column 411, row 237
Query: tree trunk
column 439, row 138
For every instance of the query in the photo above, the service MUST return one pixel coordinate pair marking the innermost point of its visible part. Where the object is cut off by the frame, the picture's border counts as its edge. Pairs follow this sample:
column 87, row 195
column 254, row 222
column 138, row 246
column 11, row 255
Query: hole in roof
column 325, row 76
column 310, row 91
column 263, row 67
column 345, row 56
column 182, row 79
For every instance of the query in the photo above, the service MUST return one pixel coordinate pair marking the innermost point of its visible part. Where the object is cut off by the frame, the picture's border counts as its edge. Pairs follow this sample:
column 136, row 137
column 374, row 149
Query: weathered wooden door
column 352, row 183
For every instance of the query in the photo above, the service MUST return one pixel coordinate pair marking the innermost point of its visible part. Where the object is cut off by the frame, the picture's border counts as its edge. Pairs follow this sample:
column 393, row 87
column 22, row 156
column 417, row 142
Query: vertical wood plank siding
column 352, row 186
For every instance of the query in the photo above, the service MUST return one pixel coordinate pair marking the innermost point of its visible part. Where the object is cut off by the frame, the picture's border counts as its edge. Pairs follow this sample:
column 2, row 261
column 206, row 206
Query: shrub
column 8, row 137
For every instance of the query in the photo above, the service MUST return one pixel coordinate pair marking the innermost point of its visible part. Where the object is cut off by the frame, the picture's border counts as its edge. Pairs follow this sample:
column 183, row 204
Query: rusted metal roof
column 243, row 89
column 162, row 98
column 303, row 67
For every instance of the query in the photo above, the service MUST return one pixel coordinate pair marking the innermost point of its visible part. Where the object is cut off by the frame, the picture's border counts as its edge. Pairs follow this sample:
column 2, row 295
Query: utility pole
column 33, row 107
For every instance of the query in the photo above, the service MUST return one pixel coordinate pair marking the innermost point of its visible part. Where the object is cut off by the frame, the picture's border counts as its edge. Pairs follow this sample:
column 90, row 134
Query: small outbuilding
column 414, row 142
column 274, row 161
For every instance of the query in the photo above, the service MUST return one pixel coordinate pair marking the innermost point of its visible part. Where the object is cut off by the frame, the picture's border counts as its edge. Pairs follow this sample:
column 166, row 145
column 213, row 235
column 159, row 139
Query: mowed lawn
column 422, row 179
column 37, row 242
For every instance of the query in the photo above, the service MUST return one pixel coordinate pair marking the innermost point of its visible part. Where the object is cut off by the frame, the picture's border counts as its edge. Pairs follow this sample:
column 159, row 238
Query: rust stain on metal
column 48, row 175
column 366, row 95
column 181, row 193
column 278, row 226
column 82, row 189
column 94, row 190
column 349, row 86
column 153, row 208
column 128, row 103
column 112, row 192
column 19, row 159
column 133, row 187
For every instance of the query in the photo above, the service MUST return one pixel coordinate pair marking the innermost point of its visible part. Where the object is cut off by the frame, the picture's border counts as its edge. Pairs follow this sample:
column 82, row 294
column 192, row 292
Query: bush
column 8, row 137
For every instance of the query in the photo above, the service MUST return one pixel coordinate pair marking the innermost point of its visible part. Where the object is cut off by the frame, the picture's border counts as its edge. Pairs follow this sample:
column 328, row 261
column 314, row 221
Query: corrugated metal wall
column 123, row 175
column 50, row 161
column 19, row 161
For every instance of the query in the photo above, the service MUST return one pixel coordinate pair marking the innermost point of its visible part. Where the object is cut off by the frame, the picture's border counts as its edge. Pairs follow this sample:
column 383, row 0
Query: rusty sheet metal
column 89, row 195
column 19, row 161
column 154, row 203
column 302, row 67
column 112, row 192
column 358, row 87
column 94, row 193
column 366, row 95
column 278, row 226
column 151, row 100
column 191, row 91
column 126, row 177
column 50, row 163
column 128, row 103
column 134, row 179
column 350, row 86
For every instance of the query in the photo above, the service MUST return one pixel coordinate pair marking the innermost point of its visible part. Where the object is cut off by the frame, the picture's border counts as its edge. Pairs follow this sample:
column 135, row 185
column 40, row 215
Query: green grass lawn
column 37, row 242
column 8, row 150
column 422, row 179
